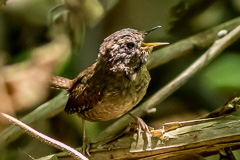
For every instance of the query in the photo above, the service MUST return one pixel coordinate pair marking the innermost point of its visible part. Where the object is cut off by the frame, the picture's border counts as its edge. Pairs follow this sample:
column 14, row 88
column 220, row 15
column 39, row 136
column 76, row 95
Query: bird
column 115, row 83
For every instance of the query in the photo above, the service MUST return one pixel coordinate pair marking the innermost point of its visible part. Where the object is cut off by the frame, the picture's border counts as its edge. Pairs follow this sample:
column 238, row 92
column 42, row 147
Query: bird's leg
column 142, row 126
column 85, row 145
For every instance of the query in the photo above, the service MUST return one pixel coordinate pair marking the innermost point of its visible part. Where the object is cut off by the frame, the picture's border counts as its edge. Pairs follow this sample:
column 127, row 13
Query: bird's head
column 126, row 51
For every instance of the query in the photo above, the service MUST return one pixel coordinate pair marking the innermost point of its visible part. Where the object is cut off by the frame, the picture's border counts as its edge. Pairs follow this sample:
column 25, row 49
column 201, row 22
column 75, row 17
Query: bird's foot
column 144, row 130
column 146, row 135
column 86, row 148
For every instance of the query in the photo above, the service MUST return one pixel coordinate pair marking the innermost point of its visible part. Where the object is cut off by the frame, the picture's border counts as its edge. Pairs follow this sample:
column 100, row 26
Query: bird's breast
column 119, row 95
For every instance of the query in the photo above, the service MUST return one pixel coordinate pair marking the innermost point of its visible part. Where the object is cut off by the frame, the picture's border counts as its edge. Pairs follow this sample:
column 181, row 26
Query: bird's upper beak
column 149, row 46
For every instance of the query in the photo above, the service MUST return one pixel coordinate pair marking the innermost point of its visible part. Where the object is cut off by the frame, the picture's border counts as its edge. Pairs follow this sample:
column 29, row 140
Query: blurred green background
column 27, row 25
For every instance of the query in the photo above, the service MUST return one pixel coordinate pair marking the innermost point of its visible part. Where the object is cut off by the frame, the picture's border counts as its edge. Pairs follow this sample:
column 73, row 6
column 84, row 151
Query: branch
column 231, row 106
column 202, row 137
column 189, row 45
column 50, row 141
column 171, row 87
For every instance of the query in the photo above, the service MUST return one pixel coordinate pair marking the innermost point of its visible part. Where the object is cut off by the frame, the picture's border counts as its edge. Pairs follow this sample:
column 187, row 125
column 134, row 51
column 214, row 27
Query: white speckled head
column 125, row 51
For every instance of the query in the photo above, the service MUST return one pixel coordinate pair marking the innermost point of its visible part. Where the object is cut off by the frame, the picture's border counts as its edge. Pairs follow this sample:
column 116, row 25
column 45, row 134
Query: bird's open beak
column 149, row 46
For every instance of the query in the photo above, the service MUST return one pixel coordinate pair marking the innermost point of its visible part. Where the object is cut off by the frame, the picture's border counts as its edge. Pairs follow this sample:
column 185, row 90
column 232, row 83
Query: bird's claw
column 144, row 130
column 146, row 135
column 86, row 148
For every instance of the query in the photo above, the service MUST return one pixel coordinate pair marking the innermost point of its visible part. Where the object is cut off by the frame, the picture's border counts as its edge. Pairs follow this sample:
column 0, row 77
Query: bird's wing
column 84, row 93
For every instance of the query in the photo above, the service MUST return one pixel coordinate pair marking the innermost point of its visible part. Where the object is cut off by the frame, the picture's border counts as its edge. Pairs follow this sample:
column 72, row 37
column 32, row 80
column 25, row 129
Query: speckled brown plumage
column 115, row 83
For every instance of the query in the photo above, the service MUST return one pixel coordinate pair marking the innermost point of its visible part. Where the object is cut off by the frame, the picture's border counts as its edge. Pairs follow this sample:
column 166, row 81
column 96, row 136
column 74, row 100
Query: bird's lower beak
column 150, row 46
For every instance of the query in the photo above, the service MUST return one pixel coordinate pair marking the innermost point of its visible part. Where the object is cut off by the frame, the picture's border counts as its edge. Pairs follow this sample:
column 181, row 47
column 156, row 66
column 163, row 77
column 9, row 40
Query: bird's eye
column 130, row 45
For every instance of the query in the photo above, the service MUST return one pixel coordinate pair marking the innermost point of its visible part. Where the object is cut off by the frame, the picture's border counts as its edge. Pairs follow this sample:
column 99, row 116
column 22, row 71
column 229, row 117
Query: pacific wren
column 115, row 83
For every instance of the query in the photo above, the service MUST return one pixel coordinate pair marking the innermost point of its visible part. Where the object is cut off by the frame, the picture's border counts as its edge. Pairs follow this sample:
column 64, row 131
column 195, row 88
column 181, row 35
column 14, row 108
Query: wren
column 115, row 83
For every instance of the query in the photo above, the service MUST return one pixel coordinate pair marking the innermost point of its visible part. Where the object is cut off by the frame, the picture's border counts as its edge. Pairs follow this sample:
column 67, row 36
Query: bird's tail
column 60, row 83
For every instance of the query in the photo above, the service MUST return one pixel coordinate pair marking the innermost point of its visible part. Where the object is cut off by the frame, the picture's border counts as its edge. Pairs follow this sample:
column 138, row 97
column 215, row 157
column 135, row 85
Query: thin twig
column 231, row 106
column 175, row 84
column 46, row 110
column 45, row 139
